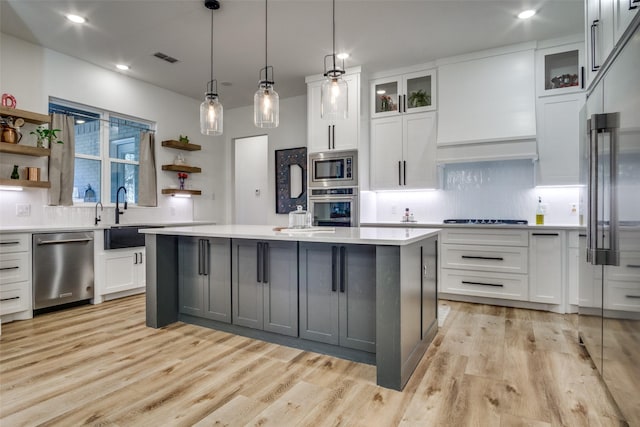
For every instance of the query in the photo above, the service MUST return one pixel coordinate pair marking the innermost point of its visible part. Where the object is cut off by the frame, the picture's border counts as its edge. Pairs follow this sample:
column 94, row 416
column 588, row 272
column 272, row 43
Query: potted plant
column 43, row 134
column 419, row 98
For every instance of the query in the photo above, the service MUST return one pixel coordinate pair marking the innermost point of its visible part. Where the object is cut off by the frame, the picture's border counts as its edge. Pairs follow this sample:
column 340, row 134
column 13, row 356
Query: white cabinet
column 326, row 135
column 623, row 13
column 403, row 151
column 124, row 269
column 546, row 275
column 559, row 139
column 559, row 69
column 574, row 264
column 406, row 93
column 599, row 34
column 15, row 276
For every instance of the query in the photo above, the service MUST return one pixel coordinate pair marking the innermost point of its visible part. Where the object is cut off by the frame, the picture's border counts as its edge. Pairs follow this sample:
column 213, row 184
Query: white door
column 386, row 153
column 251, row 180
column 419, row 150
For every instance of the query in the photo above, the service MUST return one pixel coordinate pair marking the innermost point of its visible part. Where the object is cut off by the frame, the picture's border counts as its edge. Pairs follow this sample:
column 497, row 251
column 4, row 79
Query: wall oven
column 334, row 207
column 333, row 169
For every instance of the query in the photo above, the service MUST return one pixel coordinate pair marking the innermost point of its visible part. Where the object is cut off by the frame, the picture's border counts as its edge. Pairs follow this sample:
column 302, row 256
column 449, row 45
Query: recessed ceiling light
column 76, row 18
column 343, row 55
column 122, row 67
column 381, row 92
column 79, row 121
column 526, row 14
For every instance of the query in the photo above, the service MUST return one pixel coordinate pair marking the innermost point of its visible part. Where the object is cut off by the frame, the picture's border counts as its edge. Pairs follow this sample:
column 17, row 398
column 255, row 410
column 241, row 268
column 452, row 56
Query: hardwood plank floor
column 100, row 365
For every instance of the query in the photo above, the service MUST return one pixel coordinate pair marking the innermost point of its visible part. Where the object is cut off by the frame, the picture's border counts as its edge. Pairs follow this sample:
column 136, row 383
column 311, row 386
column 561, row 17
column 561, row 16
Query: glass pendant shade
column 211, row 115
column 266, row 107
column 334, row 98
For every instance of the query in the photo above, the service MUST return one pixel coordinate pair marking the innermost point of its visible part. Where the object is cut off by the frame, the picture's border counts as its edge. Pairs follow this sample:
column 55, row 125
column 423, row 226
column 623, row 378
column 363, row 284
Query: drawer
column 484, row 284
column 622, row 297
column 504, row 259
column 485, row 236
column 629, row 269
column 14, row 267
column 574, row 238
column 14, row 298
column 14, row 243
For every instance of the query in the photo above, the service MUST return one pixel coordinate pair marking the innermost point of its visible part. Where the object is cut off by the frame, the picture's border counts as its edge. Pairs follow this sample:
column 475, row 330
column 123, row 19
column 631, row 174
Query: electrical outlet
column 573, row 209
column 394, row 210
column 23, row 210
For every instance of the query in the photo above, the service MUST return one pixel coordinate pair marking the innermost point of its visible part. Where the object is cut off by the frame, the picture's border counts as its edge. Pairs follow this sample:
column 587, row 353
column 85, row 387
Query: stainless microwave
column 333, row 169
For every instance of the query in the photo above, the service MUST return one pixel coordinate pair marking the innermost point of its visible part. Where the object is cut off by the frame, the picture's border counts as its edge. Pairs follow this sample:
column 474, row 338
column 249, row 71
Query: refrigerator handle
column 594, row 25
column 592, row 194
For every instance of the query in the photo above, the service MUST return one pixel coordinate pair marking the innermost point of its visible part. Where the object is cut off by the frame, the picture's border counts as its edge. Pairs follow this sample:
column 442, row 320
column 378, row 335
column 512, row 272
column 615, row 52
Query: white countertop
column 346, row 235
column 54, row 228
column 440, row 225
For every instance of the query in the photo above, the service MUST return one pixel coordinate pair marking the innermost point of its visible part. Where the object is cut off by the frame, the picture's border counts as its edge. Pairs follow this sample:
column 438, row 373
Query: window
column 107, row 153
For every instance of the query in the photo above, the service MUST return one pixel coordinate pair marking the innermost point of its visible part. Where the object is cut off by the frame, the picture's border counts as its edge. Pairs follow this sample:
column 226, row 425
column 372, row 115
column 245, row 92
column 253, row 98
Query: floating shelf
column 182, row 168
column 27, row 116
column 174, row 191
column 25, row 183
column 26, row 150
column 171, row 143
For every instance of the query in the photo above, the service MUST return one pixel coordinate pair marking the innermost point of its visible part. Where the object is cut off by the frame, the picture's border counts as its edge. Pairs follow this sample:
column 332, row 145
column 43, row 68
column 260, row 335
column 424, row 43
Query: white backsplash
column 476, row 190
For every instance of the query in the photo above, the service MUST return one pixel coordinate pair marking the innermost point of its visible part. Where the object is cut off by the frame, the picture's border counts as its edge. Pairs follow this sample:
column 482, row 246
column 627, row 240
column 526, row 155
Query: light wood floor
column 99, row 365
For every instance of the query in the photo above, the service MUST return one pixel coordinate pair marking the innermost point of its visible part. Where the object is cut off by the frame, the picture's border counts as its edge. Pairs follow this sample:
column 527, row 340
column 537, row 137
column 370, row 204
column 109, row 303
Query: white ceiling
column 378, row 34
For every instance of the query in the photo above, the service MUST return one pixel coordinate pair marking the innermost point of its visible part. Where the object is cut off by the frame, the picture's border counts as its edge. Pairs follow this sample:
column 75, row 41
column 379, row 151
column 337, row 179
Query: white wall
column 292, row 133
column 33, row 74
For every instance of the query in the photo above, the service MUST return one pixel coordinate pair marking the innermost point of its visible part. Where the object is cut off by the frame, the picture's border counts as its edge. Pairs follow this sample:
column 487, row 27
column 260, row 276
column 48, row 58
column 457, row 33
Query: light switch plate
column 23, row 210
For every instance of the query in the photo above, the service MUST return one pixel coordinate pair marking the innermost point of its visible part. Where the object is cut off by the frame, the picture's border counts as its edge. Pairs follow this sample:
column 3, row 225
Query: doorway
column 251, row 178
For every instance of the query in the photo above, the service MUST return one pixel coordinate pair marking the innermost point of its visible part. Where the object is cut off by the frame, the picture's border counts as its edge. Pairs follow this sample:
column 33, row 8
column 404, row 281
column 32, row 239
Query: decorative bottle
column 539, row 212
column 15, row 174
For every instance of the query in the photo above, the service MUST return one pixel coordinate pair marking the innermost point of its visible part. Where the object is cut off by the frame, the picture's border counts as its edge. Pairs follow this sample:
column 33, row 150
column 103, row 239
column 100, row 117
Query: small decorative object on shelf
column 181, row 177
column 15, row 174
column 184, row 139
column 9, row 100
column 89, row 194
column 179, row 160
column 419, row 98
column 44, row 134
column 564, row 80
column 386, row 104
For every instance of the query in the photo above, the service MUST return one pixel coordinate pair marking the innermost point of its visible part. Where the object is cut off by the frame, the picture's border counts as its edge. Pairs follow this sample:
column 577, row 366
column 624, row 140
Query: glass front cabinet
column 560, row 69
column 407, row 93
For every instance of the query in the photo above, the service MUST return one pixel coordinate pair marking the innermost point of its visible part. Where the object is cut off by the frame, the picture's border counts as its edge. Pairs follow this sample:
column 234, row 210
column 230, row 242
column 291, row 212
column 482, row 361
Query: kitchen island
column 367, row 294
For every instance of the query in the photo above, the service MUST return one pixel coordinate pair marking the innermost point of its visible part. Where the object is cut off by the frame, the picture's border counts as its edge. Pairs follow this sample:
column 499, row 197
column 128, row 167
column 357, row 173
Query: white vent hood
column 486, row 106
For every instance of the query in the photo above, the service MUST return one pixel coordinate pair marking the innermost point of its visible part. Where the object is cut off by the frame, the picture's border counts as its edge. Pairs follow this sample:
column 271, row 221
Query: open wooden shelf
column 173, row 191
column 26, row 150
column 171, row 143
column 182, row 168
column 27, row 116
column 25, row 183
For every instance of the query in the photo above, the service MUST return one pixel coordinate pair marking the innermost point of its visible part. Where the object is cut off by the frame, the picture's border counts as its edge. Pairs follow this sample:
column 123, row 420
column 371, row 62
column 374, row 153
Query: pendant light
column 211, row 108
column 334, row 88
column 266, row 102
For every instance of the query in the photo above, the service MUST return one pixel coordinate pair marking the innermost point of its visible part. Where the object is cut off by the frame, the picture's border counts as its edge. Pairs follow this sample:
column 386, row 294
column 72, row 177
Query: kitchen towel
column 147, row 189
column 61, row 161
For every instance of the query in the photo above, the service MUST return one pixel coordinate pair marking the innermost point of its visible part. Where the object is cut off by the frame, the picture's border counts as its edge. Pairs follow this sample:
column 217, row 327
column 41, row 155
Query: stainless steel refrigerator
column 609, row 289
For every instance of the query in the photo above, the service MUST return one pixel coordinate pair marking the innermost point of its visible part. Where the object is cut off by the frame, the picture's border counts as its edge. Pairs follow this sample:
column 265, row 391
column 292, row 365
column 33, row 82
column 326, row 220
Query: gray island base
column 364, row 294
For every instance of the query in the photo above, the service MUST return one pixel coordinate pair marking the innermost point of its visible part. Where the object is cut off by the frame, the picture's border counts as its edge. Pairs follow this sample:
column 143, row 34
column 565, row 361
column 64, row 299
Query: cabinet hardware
column 424, row 271
column 581, row 77
column 404, row 103
column 200, row 272
column 206, row 259
column 582, row 235
column 482, row 284
column 333, row 136
column 329, row 137
column 594, row 67
column 482, row 257
column 633, row 4
column 9, row 243
column 53, row 242
column 633, row 296
column 545, row 234
column 343, row 273
column 633, row 266
column 399, row 172
column 259, row 272
column 9, row 299
column 265, row 263
column 9, row 268
column 136, row 258
column 399, row 103
column 334, row 268
column 404, row 171
column 140, row 257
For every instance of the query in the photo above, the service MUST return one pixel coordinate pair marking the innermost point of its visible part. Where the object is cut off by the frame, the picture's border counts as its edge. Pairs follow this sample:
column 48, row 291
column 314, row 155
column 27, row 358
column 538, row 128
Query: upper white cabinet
column 623, row 13
column 559, row 139
column 599, row 34
column 326, row 135
column 403, row 150
column 407, row 93
column 559, row 69
column 487, row 97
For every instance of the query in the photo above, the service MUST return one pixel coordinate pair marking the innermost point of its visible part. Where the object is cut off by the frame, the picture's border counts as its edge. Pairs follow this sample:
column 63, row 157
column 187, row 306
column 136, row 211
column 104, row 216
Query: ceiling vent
column 164, row 57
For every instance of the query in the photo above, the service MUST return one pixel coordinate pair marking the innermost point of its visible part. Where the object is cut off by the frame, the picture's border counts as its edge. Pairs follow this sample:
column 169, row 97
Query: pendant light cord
column 211, row 49
column 266, row 62
column 334, row 34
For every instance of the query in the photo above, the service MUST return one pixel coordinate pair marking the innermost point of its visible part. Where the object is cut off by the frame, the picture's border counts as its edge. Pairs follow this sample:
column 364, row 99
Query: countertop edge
column 503, row 226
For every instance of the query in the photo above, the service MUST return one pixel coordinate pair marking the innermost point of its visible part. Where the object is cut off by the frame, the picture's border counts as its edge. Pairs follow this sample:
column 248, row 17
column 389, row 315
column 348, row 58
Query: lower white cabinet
column 15, row 275
column 546, row 264
column 124, row 269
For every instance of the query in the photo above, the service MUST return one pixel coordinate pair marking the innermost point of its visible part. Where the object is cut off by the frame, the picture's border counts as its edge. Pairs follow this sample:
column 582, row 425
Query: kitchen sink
column 125, row 236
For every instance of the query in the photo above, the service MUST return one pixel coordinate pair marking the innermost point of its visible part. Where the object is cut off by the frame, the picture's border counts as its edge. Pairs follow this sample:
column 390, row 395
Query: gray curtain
column 61, row 162
column 147, row 188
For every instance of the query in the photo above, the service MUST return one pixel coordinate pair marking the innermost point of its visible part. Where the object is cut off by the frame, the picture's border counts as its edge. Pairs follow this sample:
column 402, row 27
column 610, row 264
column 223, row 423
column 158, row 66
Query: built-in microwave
column 333, row 169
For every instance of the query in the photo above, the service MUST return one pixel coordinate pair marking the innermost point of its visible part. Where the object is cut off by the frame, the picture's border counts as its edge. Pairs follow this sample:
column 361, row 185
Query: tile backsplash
column 477, row 190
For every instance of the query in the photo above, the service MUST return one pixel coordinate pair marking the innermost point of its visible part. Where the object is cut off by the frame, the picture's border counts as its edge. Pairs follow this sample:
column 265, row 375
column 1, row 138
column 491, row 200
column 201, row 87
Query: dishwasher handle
column 54, row 242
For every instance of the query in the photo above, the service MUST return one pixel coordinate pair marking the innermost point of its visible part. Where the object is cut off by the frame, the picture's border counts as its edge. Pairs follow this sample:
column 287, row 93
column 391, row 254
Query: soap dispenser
column 539, row 212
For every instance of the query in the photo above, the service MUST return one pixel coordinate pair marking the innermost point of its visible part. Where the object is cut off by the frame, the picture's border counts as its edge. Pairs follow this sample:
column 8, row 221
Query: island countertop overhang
column 346, row 235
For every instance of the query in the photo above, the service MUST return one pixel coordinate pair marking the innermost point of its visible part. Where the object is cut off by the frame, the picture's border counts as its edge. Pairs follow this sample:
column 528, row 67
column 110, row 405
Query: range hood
column 488, row 150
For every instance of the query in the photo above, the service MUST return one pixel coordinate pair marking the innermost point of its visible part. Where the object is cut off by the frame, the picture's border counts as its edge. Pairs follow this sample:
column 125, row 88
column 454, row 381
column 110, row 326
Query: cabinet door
column 573, row 265
column 599, row 34
column 318, row 299
column 318, row 129
column 419, row 150
column 141, row 268
column 558, row 69
column 217, row 280
column 120, row 270
column 190, row 282
column 246, row 288
column 357, row 289
column 624, row 12
column 385, row 93
column 281, row 287
column 347, row 132
column 419, row 92
column 559, row 139
column 429, row 291
column 386, row 153
column 546, row 274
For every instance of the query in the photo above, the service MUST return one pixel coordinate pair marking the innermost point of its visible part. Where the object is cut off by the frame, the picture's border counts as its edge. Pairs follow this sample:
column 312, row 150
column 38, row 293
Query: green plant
column 45, row 134
column 419, row 98
column 184, row 139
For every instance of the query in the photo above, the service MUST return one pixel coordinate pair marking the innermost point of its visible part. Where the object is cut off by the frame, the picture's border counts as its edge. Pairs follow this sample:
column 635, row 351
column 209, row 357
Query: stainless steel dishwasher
column 62, row 268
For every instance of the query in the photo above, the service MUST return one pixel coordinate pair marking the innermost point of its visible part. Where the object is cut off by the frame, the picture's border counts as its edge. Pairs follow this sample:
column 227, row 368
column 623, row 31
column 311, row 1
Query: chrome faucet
column 98, row 219
column 118, row 212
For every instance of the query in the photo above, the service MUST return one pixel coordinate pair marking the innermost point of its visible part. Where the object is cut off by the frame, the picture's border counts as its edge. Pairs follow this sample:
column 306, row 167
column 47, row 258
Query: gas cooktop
column 486, row 221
